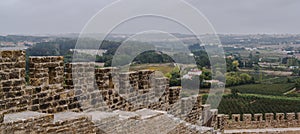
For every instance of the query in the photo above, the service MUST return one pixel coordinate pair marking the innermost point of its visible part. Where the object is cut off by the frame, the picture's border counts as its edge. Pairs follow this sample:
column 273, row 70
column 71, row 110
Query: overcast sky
column 227, row 16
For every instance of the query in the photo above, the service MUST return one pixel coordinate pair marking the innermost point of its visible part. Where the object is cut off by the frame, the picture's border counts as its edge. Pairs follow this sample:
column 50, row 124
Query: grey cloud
column 227, row 16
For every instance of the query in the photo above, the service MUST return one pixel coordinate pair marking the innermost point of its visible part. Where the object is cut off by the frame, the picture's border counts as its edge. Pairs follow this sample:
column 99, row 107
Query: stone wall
column 80, row 78
column 25, row 122
column 268, row 120
column 13, row 94
column 185, row 128
column 143, row 121
column 48, row 95
column 55, row 88
column 33, row 122
column 51, row 87
column 45, row 71
column 108, row 89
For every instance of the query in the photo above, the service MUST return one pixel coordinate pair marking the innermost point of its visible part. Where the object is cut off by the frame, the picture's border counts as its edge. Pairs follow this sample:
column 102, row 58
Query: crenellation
column 33, row 122
column 236, row 117
column 249, row 121
column 57, row 90
column 46, row 70
column 212, row 122
column 269, row 118
column 247, row 118
column 144, row 80
column 258, row 117
column 279, row 116
column 12, row 81
column 205, row 114
column 174, row 94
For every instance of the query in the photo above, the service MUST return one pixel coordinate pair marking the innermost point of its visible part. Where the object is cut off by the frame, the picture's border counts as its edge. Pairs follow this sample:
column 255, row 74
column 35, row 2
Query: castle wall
column 33, row 122
column 115, row 91
column 268, row 120
column 54, row 88
column 45, row 92
column 25, row 122
column 13, row 94
column 44, row 71
column 130, row 91
column 117, row 122
column 184, row 128
column 81, row 78
column 160, row 101
column 46, row 76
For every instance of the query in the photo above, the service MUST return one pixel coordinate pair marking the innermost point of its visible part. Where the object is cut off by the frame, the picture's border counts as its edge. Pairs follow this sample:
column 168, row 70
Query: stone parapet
column 61, row 89
column 267, row 120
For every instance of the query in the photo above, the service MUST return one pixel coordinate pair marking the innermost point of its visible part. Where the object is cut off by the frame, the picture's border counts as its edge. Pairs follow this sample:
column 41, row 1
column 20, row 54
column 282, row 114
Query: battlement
column 46, row 70
column 56, row 88
column 267, row 120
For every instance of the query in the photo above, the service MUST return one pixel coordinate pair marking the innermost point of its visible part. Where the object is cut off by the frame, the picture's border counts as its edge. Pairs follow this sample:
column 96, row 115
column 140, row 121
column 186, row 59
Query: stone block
column 269, row 116
column 1, row 117
column 280, row 116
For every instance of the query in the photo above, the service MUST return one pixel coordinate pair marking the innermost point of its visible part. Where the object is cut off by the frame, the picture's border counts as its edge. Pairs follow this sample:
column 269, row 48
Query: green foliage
column 235, row 65
column 245, row 78
column 297, row 83
column 174, row 77
column 62, row 47
column 246, row 103
column 234, row 78
column 206, row 74
column 264, row 89
column 152, row 57
column 234, row 92
column 296, row 72
column 292, row 61
column 18, row 38
column 232, row 65
column 201, row 58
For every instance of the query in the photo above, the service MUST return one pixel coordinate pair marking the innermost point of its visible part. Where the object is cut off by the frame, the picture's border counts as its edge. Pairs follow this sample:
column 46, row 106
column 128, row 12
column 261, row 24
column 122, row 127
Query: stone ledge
column 63, row 116
column 266, row 130
column 147, row 113
column 23, row 116
column 101, row 116
column 127, row 115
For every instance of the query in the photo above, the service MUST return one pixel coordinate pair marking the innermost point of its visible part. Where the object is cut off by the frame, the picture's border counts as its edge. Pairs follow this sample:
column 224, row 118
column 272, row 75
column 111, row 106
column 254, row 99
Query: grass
column 164, row 68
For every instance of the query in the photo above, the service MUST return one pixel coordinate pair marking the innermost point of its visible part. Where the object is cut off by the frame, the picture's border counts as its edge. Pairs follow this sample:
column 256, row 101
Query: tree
column 234, row 78
column 230, row 81
column 174, row 77
column 246, row 78
column 235, row 65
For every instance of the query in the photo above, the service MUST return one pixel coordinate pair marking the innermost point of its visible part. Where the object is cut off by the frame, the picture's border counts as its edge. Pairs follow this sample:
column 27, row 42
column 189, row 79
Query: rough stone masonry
column 103, row 101
column 94, row 100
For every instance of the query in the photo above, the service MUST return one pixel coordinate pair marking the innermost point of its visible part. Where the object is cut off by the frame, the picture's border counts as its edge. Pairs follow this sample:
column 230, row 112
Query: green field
column 249, row 103
column 264, row 89
column 164, row 68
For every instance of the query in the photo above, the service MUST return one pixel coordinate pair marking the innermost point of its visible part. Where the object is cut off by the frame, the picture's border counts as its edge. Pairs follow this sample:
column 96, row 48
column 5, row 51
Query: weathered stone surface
column 280, row 120
column 1, row 118
column 102, row 93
